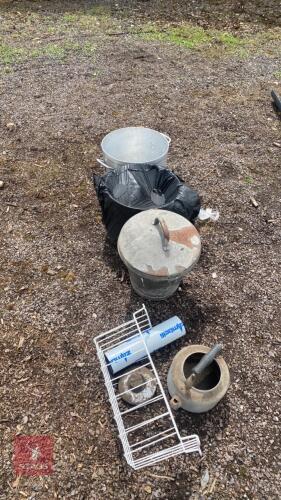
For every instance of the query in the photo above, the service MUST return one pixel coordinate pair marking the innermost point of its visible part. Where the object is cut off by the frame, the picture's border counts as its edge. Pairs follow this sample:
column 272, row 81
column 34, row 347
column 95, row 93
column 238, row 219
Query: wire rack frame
column 154, row 413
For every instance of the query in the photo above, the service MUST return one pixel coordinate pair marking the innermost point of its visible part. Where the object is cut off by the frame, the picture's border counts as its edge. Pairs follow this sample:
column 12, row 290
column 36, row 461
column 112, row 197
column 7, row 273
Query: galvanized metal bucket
column 158, row 247
column 134, row 146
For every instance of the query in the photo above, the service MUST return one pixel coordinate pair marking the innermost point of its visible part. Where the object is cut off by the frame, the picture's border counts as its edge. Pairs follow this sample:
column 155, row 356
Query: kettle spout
column 175, row 402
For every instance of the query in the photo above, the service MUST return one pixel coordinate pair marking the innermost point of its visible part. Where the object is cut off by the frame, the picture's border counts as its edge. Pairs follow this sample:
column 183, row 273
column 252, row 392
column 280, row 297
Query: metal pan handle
column 168, row 139
column 104, row 164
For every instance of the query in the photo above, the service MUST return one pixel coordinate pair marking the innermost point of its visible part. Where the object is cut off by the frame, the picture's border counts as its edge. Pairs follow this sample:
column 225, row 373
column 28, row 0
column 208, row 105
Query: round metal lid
column 159, row 243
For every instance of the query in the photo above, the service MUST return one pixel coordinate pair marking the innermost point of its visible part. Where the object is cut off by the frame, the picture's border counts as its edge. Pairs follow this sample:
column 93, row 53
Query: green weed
column 187, row 36
column 228, row 39
column 55, row 51
column 214, row 42
column 88, row 49
column 248, row 179
column 10, row 54
column 70, row 18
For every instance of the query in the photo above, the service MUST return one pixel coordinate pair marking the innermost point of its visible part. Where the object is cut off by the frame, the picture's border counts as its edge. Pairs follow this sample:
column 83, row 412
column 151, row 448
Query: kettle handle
column 164, row 232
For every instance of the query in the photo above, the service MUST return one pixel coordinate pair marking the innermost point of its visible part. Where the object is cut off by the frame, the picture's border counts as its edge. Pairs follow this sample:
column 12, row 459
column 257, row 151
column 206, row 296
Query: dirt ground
column 67, row 79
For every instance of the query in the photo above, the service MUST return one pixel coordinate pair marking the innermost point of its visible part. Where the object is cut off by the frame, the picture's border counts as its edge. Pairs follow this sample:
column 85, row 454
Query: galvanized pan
column 134, row 146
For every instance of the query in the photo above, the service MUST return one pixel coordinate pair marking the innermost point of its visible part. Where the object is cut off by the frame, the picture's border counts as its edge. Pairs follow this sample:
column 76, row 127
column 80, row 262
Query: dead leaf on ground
column 21, row 341
column 70, row 276
column 15, row 484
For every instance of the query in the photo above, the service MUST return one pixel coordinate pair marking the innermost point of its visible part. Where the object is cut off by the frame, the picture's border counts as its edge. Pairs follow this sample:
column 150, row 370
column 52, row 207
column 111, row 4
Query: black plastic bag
column 128, row 190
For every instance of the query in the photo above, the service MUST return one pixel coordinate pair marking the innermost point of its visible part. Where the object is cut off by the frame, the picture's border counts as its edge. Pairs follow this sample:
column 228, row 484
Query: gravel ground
column 62, row 283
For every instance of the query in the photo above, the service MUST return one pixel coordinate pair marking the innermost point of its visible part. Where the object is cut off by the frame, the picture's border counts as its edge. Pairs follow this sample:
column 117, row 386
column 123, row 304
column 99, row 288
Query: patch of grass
column 214, row 42
column 88, row 48
column 54, row 51
column 51, row 50
column 277, row 74
column 63, row 50
column 248, row 179
column 265, row 43
column 10, row 54
column 187, row 36
column 70, row 18
column 228, row 39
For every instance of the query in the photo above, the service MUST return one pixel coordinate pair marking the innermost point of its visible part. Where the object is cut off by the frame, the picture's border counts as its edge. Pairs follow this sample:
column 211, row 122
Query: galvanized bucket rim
column 123, row 162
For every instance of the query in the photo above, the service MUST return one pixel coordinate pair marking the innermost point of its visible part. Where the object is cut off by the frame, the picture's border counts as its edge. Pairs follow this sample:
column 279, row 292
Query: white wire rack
column 148, row 431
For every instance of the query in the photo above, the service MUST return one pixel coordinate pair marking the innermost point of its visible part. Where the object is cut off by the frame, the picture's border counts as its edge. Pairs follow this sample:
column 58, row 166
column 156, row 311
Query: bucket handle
column 168, row 139
column 164, row 232
column 104, row 164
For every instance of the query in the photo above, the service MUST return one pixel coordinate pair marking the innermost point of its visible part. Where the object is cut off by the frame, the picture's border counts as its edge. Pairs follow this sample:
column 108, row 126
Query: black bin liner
column 129, row 190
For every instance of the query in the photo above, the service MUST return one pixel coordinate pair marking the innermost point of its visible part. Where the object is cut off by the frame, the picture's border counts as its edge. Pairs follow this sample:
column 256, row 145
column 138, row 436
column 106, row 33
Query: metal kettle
column 196, row 380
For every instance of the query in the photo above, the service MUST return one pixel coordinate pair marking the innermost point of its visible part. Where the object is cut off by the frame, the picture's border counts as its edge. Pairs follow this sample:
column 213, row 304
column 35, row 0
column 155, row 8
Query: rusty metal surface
column 184, row 235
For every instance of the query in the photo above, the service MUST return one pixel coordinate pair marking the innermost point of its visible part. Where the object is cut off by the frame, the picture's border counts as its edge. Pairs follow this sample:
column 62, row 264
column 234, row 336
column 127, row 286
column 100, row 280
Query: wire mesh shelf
column 148, row 431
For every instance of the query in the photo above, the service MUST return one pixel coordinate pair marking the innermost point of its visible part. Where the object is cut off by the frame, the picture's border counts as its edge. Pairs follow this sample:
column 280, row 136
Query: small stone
column 276, row 419
column 214, row 275
column 25, row 419
column 1, row 184
column 254, row 202
column 11, row 126
column 147, row 489
column 51, row 272
column 205, row 478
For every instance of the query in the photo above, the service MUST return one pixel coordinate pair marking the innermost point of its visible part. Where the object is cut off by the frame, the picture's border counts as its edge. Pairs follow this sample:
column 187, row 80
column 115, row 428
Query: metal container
column 209, row 385
column 135, row 145
column 158, row 247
